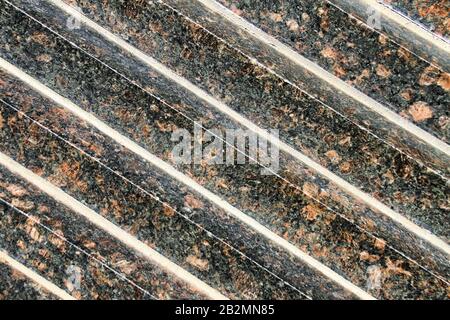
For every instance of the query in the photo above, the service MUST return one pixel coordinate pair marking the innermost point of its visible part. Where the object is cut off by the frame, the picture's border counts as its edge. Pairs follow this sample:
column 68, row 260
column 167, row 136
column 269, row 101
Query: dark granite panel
column 132, row 116
column 356, row 54
column 72, row 253
column 434, row 14
column 326, row 235
column 16, row 286
column 354, row 154
column 164, row 220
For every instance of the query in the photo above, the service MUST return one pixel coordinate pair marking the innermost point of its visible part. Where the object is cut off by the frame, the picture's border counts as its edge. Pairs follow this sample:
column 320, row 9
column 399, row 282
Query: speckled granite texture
column 434, row 14
column 55, row 243
column 339, row 244
column 339, row 145
column 16, row 286
column 311, row 212
column 361, row 57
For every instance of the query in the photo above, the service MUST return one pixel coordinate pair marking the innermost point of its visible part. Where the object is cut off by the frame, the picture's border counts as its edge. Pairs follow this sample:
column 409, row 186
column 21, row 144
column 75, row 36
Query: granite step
column 388, row 19
column 179, row 223
column 72, row 253
column 16, row 285
column 385, row 168
column 334, row 240
column 357, row 54
column 384, row 121
column 350, row 152
column 435, row 15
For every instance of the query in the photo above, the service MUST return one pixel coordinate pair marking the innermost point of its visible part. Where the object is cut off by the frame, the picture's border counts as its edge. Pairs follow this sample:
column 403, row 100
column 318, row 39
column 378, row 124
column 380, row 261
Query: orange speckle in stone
column 292, row 25
column 333, row 156
column 40, row 37
column 198, row 263
column 276, row 17
column 192, row 202
column 311, row 189
column 311, row 212
column 406, row 94
column 380, row 244
column 329, row 52
column 420, row 111
column 428, row 77
column 345, row 167
column 365, row 256
column 16, row 191
column 168, row 211
column 382, row 71
column 22, row 204
column 444, row 81
column 44, row 58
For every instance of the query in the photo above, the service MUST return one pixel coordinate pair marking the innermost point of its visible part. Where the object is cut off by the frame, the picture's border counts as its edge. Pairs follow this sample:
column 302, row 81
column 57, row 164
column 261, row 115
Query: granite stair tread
column 357, row 206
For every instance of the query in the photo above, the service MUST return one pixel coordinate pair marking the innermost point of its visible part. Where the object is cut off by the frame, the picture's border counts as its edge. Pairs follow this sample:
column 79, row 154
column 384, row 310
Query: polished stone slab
column 324, row 234
column 16, row 286
column 72, row 253
column 358, row 55
column 243, row 187
column 164, row 220
column 434, row 14
column 352, row 153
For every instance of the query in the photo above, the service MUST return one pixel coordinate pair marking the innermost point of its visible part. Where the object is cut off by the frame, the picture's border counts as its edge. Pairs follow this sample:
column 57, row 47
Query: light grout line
column 357, row 193
column 321, row 73
column 33, row 276
column 143, row 153
column 123, row 236
column 117, row 273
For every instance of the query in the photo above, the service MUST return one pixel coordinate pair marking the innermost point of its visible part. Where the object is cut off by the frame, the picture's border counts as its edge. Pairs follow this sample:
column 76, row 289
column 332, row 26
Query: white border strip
column 369, row 200
column 332, row 80
column 33, row 276
column 109, row 227
column 134, row 147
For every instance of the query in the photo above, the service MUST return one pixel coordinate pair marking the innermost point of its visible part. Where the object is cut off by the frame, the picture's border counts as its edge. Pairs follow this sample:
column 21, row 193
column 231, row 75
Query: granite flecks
column 342, row 147
column 325, row 235
column 363, row 58
column 74, row 254
column 342, row 246
column 434, row 14
column 157, row 223
column 16, row 286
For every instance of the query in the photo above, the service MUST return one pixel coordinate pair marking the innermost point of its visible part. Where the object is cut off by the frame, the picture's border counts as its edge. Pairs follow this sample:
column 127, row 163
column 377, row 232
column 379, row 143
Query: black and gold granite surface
column 358, row 55
column 16, row 286
column 325, row 234
column 66, row 250
column 342, row 147
column 359, row 243
column 434, row 14
column 170, row 218
column 345, row 105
